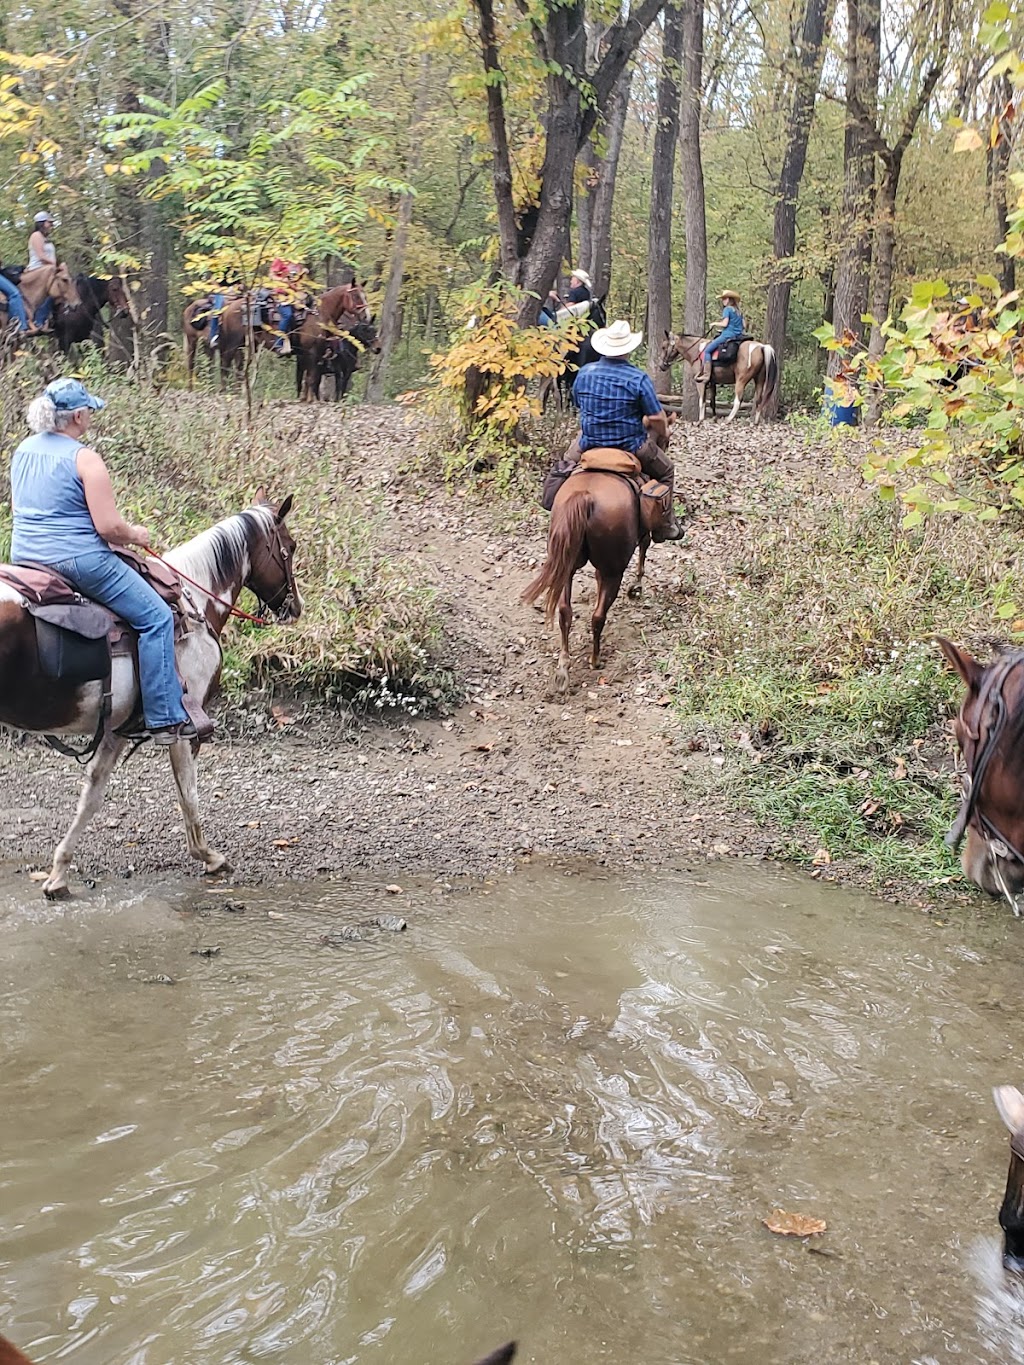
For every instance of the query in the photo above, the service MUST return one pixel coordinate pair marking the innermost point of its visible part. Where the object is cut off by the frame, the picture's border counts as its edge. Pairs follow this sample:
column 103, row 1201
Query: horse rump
column 566, row 540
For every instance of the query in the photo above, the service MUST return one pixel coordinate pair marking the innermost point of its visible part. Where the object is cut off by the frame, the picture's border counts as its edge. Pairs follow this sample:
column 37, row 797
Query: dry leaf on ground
column 793, row 1224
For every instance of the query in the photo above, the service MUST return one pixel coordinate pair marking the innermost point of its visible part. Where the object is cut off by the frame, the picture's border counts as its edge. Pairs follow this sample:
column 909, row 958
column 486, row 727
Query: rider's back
column 51, row 516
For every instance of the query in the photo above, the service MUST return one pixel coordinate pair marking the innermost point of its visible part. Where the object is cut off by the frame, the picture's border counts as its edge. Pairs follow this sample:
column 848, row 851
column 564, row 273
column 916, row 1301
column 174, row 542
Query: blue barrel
column 839, row 404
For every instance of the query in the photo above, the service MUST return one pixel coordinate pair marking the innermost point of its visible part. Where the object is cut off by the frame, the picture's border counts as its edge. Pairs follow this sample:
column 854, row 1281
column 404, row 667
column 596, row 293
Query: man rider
column 576, row 304
column 614, row 398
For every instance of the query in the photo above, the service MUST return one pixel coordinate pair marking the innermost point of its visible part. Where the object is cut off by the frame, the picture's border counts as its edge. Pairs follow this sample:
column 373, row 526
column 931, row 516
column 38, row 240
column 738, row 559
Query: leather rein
column 994, row 711
column 275, row 552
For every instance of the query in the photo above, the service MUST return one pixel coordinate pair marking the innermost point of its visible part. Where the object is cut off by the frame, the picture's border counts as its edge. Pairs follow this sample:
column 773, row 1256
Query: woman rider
column 65, row 517
column 731, row 325
column 37, row 277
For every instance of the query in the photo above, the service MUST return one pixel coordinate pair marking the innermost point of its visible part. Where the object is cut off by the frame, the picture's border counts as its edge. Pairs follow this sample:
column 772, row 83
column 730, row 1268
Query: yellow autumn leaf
column 968, row 140
column 793, row 1224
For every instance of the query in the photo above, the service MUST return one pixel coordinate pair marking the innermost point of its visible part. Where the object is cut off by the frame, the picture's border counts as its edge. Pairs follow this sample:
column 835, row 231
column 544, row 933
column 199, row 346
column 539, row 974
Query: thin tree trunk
column 659, row 228
column 501, row 162
column 810, row 56
column 863, row 19
column 598, row 260
column 391, row 313
column 998, row 168
column 695, row 306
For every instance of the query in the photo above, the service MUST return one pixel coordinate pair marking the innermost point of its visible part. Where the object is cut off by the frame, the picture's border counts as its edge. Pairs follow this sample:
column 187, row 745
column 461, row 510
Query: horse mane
column 221, row 552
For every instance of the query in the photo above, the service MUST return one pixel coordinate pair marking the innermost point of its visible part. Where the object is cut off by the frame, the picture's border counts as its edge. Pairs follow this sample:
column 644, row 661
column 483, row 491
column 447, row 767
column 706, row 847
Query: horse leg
column 97, row 775
column 183, row 764
column 738, row 388
column 637, row 588
column 565, row 626
column 607, row 590
column 758, row 390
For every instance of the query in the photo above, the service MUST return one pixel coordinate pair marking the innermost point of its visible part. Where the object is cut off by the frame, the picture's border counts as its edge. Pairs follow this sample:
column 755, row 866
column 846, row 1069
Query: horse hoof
column 635, row 591
column 57, row 893
column 218, row 866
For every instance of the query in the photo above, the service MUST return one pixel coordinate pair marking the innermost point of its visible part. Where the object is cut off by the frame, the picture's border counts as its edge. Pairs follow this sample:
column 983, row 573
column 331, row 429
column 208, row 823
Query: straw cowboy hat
column 582, row 276
column 730, row 294
column 616, row 339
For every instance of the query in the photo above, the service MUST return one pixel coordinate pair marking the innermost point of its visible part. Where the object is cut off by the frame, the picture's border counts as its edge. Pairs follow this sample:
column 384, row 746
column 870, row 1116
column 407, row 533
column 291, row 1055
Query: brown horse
column 989, row 730
column 755, row 360
column 52, row 281
column 323, row 342
column 10, row 1355
column 595, row 517
column 1010, row 1103
column 251, row 550
column 233, row 335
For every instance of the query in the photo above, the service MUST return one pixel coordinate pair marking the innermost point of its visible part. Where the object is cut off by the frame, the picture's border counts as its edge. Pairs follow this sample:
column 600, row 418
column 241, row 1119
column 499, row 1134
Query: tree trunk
column 695, row 306
column 659, row 228
column 595, row 209
column 391, row 313
column 863, row 19
column 810, row 55
column 998, row 168
column 881, row 286
column 501, row 161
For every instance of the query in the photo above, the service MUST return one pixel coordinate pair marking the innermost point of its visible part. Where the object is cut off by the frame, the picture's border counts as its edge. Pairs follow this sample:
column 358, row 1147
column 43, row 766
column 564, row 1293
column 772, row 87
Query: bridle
column 994, row 710
column 680, row 353
column 355, row 297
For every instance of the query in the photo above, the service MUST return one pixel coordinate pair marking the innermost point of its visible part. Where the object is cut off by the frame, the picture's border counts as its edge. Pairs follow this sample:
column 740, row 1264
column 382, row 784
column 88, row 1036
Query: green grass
column 370, row 631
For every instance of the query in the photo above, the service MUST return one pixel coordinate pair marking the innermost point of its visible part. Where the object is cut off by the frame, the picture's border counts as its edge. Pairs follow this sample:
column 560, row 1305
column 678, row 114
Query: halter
column 993, row 708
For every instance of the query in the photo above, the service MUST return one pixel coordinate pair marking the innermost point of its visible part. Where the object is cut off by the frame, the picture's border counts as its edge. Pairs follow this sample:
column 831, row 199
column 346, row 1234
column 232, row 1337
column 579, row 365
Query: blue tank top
column 51, row 517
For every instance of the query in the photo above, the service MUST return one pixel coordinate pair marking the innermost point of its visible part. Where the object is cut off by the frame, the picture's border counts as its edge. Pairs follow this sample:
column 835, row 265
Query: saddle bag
column 553, row 480
column 655, row 507
column 73, row 653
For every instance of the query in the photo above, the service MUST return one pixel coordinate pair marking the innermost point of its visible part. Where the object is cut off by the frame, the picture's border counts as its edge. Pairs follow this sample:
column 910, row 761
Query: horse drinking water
column 253, row 550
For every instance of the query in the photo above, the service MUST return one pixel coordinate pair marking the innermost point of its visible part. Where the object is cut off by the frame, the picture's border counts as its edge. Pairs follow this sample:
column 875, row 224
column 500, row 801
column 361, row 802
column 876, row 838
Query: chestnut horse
column 10, row 1355
column 339, row 312
column 595, row 517
column 251, row 550
column 755, row 360
column 232, row 338
column 990, row 731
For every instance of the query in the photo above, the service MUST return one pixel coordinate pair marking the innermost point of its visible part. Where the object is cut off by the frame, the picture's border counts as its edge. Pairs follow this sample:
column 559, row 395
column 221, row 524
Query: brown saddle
column 76, row 639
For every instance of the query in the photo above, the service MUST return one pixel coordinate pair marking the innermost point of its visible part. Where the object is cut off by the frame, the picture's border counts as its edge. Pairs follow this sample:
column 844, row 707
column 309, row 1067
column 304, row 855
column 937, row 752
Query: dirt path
column 512, row 774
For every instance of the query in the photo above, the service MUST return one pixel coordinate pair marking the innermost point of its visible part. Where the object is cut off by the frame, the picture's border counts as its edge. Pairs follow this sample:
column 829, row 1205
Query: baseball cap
column 43, row 217
column 68, row 395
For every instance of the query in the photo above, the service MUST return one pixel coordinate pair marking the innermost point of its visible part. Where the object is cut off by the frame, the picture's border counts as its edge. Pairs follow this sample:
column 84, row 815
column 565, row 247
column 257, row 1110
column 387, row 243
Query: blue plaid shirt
column 613, row 397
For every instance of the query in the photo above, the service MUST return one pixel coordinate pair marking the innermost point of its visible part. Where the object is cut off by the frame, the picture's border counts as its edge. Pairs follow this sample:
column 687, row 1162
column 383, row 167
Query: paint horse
column 253, row 550
column 10, row 1355
column 989, row 729
column 755, row 360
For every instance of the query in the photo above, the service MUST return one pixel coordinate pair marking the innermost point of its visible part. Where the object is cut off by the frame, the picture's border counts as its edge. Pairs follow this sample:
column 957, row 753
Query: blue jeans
column 15, row 303
column 711, row 349
column 218, row 304
column 286, row 312
column 99, row 574
column 42, row 315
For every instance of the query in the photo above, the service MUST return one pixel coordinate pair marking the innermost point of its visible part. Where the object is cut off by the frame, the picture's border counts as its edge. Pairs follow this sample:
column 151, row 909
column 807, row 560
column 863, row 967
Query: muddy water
column 555, row 1108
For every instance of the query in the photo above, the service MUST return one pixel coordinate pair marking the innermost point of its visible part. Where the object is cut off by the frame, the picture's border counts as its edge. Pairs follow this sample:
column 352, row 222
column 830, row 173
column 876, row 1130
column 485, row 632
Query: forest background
column 808, row 154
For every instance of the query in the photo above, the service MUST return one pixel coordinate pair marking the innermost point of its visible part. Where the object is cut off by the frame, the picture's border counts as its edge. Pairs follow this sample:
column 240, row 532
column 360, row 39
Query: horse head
column 117, row 296
column 355, row 302
column 272, row 560
column 63, row 288
column 989, row 729
column 677, row 346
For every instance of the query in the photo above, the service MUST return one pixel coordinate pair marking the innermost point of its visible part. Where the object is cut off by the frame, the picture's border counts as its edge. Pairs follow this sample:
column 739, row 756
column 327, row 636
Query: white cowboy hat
column 582, row 275
column 616, row 339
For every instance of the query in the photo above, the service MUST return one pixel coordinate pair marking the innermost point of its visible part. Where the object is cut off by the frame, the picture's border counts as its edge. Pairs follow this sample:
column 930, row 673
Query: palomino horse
column 322, row 341
column 595, row 517
column 54, row 281
column 251, row 550
column 989, row 730
column 755, row 360
column 10, row 1355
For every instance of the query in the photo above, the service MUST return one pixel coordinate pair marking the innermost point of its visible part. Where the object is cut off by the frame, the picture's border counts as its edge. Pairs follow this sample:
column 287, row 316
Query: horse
column 61, row 289
column 595, row 517
column 341, row 310
column 232, row 333
column 10, row 1355
column 252, row 549
column 584, row 354
column 73, row 323
column 755, row 360
column 989, row 729
column 1010, row 1103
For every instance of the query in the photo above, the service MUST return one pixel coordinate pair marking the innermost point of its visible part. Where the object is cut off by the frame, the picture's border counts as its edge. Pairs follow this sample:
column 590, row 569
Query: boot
column 671, row 530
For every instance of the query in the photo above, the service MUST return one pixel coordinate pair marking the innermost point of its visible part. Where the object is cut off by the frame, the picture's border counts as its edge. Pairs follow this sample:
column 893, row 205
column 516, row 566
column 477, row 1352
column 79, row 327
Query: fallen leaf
column 38, row 876
column 274, row 914
column 664, row 701
column 900, row 770
column 286, row 843
column 393, row 890
column 483, row 748
column 822, row 858
column 793, row 1224
column 282, row 716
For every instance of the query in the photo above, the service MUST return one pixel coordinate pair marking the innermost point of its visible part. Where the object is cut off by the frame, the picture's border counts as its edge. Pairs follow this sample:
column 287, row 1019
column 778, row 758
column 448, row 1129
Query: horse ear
column 261, row 494
column 285, row 508
column 964, row 663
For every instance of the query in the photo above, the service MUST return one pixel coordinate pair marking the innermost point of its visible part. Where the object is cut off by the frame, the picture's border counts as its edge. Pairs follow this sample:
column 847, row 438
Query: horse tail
column 565, row 541
column 771, row 376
